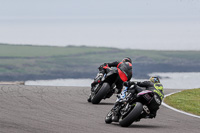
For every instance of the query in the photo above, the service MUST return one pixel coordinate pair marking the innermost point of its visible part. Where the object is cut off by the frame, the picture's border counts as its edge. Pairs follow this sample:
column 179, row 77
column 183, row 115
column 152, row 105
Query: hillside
column 26, row 62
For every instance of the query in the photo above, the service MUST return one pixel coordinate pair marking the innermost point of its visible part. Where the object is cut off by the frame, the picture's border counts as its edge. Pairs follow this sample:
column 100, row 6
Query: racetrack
column 39, row 109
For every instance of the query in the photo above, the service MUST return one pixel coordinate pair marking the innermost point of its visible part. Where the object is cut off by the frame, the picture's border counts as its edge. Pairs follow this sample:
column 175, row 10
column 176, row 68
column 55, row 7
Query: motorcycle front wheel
column 101, row 93
column 108, row 118
column 132, row 116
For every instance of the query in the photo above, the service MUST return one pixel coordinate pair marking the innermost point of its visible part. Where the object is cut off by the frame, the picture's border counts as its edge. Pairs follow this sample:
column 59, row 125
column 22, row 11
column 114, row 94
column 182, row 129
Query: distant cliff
column 26, row 62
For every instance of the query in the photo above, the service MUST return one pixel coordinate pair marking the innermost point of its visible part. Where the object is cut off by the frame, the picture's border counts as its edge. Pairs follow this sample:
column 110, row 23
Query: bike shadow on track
column 101, row 103
column 106, row 103
column 140, row 126
column 145, row 126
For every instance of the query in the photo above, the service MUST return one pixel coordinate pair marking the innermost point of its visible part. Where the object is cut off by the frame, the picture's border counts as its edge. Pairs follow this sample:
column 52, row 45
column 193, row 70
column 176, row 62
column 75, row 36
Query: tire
column 132, row 116
column 101, row 93
column 108, row 118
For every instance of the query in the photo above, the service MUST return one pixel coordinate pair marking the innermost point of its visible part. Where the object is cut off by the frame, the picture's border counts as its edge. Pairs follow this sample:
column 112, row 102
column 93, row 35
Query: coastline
column 12, row 83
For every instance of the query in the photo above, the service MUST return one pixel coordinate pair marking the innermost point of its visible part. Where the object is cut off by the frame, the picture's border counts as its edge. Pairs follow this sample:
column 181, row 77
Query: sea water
column 184, row 80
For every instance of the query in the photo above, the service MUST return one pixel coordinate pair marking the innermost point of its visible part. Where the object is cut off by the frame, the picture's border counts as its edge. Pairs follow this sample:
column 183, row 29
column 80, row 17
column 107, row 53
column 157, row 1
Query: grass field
column 45, row 51
column 93, row 54
column 40, row 62
column 187, row 100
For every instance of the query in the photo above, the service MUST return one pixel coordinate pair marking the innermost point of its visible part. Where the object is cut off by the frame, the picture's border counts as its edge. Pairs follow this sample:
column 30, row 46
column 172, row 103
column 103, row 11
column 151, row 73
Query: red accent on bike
column 98, row 81
column 130, row 64
column 122, row 75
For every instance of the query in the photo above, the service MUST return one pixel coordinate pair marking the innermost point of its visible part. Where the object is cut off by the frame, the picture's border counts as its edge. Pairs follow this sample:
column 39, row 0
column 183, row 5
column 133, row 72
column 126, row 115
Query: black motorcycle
column 134, row 109
column 105, row 86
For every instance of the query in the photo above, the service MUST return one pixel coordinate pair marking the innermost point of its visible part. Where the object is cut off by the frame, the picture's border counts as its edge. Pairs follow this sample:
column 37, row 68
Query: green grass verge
column 187, row 100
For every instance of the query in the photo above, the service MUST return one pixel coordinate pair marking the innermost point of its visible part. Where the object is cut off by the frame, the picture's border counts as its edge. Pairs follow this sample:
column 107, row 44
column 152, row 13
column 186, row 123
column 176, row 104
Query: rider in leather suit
column 124, row 69
column 153, row 85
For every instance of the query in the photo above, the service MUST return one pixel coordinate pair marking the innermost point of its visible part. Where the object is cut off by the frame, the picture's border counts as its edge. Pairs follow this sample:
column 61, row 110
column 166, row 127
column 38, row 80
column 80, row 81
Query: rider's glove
column 105, row 64
column 101, row 66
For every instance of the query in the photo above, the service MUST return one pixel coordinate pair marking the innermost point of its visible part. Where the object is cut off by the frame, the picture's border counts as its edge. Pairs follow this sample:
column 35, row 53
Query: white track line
column 164, row 104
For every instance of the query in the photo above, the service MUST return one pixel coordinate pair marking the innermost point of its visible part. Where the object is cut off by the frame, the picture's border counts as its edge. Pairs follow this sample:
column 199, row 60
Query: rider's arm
column 144, row 84
column 108, row 65
column 113, row 64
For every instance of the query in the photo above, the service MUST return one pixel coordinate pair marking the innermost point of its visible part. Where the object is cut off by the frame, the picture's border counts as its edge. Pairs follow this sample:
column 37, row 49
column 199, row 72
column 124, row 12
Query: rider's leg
column 119, row 86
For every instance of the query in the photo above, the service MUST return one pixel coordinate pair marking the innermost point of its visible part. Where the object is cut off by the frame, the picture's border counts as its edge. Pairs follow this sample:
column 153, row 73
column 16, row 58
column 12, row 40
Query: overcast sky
column 141, row 24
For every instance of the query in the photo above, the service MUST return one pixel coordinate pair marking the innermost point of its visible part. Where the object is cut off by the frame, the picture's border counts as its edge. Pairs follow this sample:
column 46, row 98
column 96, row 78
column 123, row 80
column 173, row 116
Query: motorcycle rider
column 124, row 69
column 153, row 85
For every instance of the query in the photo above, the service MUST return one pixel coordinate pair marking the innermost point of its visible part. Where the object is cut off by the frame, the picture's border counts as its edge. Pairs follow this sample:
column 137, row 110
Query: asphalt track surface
column 39, row 109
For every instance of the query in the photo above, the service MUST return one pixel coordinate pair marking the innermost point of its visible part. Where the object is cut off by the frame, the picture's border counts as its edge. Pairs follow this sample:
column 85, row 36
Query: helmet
column 127, row 59
column 154, row 79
